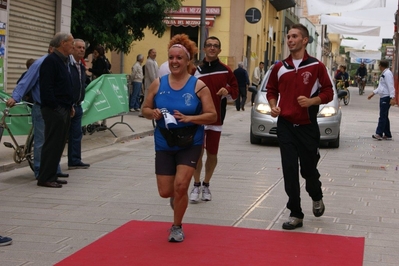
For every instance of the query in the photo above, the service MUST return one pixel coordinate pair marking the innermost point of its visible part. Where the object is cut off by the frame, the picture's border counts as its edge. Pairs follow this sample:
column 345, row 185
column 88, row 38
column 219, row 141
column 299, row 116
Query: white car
column 264, row 126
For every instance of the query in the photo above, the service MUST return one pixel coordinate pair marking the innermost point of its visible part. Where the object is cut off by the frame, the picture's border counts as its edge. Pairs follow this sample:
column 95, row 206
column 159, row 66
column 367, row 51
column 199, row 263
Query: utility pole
column 203, row 29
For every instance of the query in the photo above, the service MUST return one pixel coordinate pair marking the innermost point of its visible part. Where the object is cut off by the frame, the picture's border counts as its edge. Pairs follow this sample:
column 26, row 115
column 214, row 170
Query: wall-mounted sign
column 196, row 10
column 253, row 15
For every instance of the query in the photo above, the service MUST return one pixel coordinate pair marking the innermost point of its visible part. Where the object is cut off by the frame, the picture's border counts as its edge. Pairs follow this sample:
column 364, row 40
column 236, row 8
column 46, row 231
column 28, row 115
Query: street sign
column 253, row 15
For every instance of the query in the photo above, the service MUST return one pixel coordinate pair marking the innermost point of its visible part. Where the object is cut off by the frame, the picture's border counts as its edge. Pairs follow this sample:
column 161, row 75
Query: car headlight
column 263, row 108
column 327, row 111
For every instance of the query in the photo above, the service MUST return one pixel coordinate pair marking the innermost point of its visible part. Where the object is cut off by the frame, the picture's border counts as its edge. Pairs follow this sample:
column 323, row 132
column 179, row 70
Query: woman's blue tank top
column 185, row 101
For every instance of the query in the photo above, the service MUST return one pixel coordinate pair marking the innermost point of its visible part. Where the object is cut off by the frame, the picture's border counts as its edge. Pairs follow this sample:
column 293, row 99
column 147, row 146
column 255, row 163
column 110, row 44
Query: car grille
column 273, row 131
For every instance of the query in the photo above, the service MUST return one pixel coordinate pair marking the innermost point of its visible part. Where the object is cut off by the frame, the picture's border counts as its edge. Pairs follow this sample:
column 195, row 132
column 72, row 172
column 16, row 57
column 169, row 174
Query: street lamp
column 203, row 29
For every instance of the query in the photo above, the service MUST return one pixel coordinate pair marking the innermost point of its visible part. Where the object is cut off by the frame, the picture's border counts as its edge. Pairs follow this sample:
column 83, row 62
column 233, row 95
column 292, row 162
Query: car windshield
column 264, row 80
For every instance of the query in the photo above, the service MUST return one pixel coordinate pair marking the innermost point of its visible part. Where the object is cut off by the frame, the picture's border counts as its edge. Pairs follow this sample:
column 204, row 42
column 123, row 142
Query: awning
column 189, row 21
column 282, row 4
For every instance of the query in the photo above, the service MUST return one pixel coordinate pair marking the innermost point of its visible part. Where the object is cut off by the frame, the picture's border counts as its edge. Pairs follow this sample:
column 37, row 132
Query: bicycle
column 361, row 83
column 341, row 86
column 21, row 152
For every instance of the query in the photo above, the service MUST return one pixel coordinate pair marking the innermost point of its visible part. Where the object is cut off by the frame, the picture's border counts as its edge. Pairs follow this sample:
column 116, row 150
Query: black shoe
column 293, row 223
column 49, row 184
column 318, row 208
column 62, row 175
column 62, row 182
column 79, row 166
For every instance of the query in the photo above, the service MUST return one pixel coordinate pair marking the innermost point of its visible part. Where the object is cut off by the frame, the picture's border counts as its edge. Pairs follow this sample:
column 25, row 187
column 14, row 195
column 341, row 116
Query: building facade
column 26, row 29
column 245, row 36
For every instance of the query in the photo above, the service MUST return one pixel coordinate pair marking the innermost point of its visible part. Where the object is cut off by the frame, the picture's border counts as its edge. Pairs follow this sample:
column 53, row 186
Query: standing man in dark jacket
column 299, row 84
column 78, row 74
column 57, row 108
column 243, row 82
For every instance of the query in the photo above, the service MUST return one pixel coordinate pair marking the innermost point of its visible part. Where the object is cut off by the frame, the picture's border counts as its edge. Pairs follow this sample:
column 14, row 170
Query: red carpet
column 145, row 243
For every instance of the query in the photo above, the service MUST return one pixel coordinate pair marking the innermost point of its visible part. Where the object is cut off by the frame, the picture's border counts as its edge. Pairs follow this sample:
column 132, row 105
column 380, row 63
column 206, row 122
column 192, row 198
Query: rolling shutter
column 30, row 29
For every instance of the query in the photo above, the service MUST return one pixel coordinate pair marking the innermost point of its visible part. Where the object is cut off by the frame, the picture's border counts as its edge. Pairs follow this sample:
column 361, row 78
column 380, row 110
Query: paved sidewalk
column 119, row 126
column 360, row 183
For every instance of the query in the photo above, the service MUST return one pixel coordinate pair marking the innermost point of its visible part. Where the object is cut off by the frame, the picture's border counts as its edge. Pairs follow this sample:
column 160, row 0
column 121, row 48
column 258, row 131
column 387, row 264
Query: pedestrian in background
column 257, row 76
column 243, row 82
column 386, row 90
column 28, row 97
column 180, row 104
column 57, row 108
column 137, row 82
column 99, row 67
column 222, row 83
column 150, row 71
column 29, row 84
column 300, row 84
column 78, row 76
column 99, row 63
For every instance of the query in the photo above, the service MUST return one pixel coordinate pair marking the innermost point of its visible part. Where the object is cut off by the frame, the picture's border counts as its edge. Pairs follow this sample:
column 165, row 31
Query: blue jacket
column 29, row 82
column 242, row 77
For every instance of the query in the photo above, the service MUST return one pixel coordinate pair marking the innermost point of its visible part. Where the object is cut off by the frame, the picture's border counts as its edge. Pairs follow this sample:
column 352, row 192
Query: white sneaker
column 195, row 194
column 176, row 234
column 206, row 194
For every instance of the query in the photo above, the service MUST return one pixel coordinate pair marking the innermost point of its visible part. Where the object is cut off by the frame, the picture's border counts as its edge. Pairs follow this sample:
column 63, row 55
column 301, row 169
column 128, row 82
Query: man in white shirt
column 386, row 90
column 137, row 82
column 257, row 77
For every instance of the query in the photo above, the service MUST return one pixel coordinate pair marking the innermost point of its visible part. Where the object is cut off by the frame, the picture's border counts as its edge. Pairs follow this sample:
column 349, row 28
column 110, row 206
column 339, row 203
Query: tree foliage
column 116, row 24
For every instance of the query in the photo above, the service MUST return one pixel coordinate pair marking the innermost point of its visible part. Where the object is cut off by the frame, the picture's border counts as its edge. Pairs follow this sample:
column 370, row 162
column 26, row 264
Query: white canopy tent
column 357, row 44
column 363, row 56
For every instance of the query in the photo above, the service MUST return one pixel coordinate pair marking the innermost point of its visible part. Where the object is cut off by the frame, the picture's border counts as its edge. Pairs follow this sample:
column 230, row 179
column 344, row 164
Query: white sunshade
column 354, row 30
column 316, row 7
column 357, row 44
column 327, row 20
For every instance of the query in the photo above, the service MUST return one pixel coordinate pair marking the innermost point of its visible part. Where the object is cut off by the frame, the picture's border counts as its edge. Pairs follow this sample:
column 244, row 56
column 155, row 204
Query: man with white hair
column 243, row 82
column 56, row 96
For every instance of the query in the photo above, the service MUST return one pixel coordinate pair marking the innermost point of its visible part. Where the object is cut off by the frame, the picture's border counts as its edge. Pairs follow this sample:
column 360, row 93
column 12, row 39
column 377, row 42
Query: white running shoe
column 206, row 194
column 176, row 234
column 195, row 194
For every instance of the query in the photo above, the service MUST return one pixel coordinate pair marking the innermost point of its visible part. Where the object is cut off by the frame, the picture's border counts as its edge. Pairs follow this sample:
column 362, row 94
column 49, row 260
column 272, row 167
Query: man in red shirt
column 300, row 83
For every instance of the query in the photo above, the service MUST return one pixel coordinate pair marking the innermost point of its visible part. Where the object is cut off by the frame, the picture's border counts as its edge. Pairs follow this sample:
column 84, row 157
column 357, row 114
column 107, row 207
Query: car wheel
column 253, row 139
column 334, row 144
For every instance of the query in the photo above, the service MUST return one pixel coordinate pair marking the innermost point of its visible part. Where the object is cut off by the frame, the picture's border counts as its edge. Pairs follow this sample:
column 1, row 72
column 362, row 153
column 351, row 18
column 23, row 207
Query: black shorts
column 167, row 161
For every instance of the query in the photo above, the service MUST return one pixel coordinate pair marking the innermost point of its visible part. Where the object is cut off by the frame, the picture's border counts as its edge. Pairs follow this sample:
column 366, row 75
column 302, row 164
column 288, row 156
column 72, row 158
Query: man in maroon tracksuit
column 300, row 83
column 222, row 83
